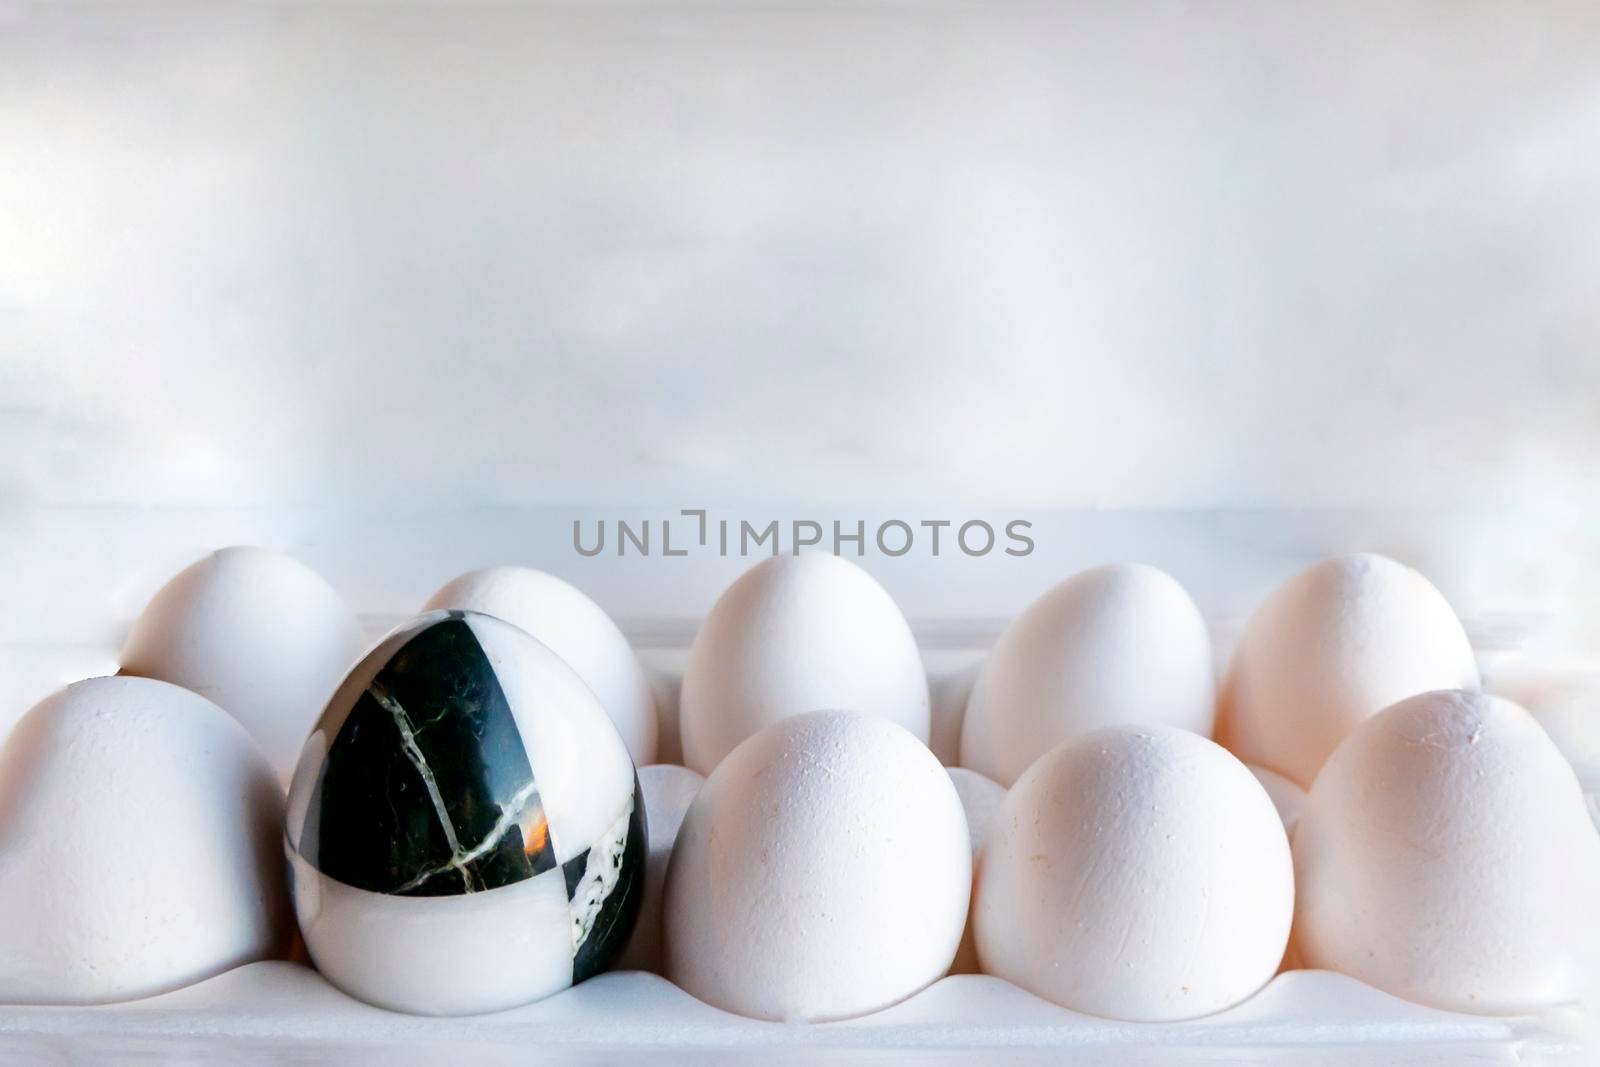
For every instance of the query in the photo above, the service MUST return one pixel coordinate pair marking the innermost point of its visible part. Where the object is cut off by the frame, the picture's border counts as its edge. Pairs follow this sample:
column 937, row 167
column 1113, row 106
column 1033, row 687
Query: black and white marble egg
column 464, row 828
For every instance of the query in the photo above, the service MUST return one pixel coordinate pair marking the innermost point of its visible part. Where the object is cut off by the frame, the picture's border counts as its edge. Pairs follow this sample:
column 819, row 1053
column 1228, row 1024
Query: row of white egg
column 825, row 870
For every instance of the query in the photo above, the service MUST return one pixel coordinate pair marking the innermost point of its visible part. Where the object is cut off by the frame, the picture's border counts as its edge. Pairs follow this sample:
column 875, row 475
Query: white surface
column 574, row 628
column 797, row 634
column 822, row 872
column 139, row 831
column 257, row 633
column 1044, row 255
column 1329, row 647
column 1136, row 872
column 285, row 1013
column 1445, row 855
column 1121, row 644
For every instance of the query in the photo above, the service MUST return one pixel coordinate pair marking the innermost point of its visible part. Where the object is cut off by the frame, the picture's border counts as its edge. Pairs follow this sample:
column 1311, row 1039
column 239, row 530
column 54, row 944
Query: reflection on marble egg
column 465, row 827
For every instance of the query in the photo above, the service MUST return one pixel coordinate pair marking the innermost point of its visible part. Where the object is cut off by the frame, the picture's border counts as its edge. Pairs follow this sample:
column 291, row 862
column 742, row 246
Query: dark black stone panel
column 427, row 789
column 573, row 870
column 612, row 927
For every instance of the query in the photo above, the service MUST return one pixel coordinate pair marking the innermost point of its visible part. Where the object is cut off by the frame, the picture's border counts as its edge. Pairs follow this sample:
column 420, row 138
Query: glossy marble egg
column 465, row 828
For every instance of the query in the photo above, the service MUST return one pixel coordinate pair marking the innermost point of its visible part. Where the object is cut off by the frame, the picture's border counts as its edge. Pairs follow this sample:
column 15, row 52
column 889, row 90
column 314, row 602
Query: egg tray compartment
column 282, row 1011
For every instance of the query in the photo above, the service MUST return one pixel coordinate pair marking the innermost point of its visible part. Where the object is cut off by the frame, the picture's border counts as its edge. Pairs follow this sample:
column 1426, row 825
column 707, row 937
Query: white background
column 404, row 289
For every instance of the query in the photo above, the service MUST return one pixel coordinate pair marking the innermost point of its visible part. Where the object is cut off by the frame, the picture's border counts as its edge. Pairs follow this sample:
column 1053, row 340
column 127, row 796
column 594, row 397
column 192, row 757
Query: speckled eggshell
column 1445, row 856
column 575, row 628
column 139, row 846
column 1120, row 644
column 795, row 634
column 1328, row 648
column 1136, row 873
column 981, row 801
column 668, row 791
column 823, row 872
column 256, row 632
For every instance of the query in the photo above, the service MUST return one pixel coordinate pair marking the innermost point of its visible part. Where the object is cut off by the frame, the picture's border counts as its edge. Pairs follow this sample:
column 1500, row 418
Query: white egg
column 140, row 849
column 668, row 791
column 1445, row 856
column 795, row 634
column 1136, row 873
column 823, row 872
column 1288, row 798
column 1115, row 645
column 575, row 628
column 1328, row 648
column 949, row 689
column 981, row 800
column 257, row 633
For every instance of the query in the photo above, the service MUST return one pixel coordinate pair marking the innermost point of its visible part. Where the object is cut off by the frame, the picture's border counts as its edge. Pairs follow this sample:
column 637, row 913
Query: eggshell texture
column 1137, row 873
column 573, row 627
column 1120, row 644
column 981, row 800
column 823, row 872
column 257, row 633
column 139, row 846
column 795, row 634
column 1330, row 647
column 668, row 792
column 1445, row 856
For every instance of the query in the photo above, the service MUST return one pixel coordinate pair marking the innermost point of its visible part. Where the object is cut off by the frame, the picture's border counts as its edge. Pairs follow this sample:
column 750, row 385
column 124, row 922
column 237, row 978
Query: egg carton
column 284, row 1012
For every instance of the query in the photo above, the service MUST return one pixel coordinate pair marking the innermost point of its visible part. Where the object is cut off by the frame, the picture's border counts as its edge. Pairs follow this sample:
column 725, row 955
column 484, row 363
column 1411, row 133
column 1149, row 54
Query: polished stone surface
column 422, row 780
column 427, row 789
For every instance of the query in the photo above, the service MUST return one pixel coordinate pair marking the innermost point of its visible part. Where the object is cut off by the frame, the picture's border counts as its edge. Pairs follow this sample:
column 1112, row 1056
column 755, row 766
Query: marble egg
column 465, row 829
column 576, row 629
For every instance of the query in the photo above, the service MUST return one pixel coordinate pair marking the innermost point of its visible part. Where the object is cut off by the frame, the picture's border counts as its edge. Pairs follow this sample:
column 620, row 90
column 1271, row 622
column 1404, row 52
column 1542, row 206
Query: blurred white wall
column 287, row 272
